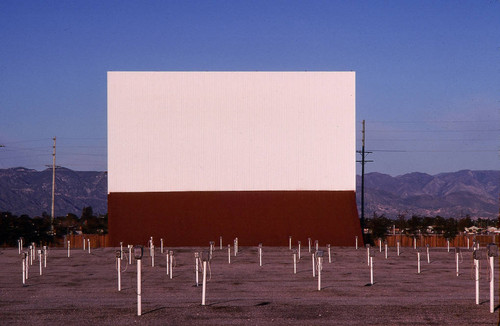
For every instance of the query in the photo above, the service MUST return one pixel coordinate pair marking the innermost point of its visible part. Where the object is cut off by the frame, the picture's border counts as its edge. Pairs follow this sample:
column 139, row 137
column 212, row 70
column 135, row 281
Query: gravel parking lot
column 82, row 289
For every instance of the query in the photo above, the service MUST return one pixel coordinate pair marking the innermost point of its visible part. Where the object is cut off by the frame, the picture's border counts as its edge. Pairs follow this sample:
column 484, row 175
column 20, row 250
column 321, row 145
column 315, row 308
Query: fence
column 435, row 240
column 96, row 240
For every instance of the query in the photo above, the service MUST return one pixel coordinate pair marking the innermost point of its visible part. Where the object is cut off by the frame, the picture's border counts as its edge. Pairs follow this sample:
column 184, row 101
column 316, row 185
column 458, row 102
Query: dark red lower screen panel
column 267, row 217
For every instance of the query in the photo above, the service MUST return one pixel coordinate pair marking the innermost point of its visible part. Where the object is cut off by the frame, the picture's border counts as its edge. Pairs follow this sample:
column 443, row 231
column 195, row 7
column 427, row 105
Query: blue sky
column 427, row 72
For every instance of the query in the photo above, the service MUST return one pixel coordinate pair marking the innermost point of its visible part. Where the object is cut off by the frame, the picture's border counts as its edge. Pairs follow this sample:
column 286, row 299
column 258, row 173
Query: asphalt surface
column 83, row 290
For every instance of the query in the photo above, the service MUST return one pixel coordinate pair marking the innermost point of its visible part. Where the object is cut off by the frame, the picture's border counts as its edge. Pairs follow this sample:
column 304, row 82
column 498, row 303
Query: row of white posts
column 138, row 255
column 27, row 258
column 492, row 252
column 204, row 260
column 317, row 262
column 85, row 241
column 316, row 257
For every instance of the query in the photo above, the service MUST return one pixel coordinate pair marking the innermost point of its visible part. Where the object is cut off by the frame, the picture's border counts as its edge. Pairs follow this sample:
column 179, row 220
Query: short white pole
column 130, row 254
column 428, row 255
column 40, row 259
column 118, row 267
column 121, row 250
column 69, row 246
column 299, row 249
column 88, row 243
column 31, row 254
column 171, row 264
column 368, row 255
column 418, row 258
column 371, row 270
column 45, row 256
column 168, row 263
column 220, row 242
column 84, row 240
column 329, row 254
column 152, row 255
column 380, row 245
column 24, row 269
column 27, row 266
column 448, row 243
column 204, row 286
column 235, row 246
column 295, row 262
column 476, row 264
column 290, row 242
column 397, row 246
column 309, row 242
column 356, row 242
column 320, row 266
column 414, row 243
column 468, row 243
column 492, row 284
column 19, row 246
column 161, row 245
column 211, row 243
column 196, row 268
column 457, row 261
column 260, row 254
column 229, row 254
column 313, row 256
column 316, row 245
column 139, row 299
column 385, row 248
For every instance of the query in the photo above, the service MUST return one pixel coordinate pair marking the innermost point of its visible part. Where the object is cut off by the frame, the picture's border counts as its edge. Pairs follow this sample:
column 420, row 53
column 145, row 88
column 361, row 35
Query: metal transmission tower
column 363, row 161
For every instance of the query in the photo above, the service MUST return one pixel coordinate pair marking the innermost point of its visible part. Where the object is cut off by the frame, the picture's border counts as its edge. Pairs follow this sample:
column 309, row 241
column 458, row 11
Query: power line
column 438, row 131
column 437, row 151
column 433, row 121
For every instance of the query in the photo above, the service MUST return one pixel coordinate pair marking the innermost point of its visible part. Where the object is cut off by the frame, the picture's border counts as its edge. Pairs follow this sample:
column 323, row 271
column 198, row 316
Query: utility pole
column 363, row 161
column 53, row 185
column 54, row 167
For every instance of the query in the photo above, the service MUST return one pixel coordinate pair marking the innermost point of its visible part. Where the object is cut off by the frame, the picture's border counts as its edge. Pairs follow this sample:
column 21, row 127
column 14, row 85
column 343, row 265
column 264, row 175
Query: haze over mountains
column 455, row 194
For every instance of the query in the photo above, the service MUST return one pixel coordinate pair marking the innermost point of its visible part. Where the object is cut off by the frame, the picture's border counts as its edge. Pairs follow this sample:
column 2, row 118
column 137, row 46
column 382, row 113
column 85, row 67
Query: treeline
column 38, row 229
column 379, row 226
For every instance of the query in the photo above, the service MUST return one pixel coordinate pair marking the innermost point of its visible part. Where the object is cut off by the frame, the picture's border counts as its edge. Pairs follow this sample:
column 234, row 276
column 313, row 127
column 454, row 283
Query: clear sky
column 427, row 72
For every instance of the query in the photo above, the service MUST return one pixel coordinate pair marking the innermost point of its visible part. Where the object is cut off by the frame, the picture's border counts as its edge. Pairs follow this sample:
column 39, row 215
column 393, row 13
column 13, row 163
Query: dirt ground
column 82, row 289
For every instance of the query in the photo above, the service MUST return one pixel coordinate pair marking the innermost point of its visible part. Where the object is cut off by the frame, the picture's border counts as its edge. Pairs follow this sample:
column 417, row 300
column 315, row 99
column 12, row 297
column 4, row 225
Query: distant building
column 255, row 155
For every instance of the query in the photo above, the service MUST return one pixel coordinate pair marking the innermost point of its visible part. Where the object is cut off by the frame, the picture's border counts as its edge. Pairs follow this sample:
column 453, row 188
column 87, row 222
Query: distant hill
column 25, row 191
column 452, row 194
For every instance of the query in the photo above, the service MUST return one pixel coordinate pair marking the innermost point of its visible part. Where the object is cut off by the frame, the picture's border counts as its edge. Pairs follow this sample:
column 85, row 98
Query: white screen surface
column 231, row 131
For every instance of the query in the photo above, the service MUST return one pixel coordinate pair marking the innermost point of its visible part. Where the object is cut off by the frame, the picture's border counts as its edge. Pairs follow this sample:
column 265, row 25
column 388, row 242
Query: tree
column 465, row 222
column 401, row 223
column 379, row 227
column 87, row 212
column 439, row 224
column 450, row 229
column 415, row 225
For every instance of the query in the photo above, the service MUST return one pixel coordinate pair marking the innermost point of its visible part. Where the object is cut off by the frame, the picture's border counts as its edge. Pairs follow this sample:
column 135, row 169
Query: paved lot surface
column 82, row 290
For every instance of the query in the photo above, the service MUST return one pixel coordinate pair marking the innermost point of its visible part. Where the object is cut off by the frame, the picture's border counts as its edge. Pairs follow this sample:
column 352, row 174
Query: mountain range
column 455, row 194
column 26, row 191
